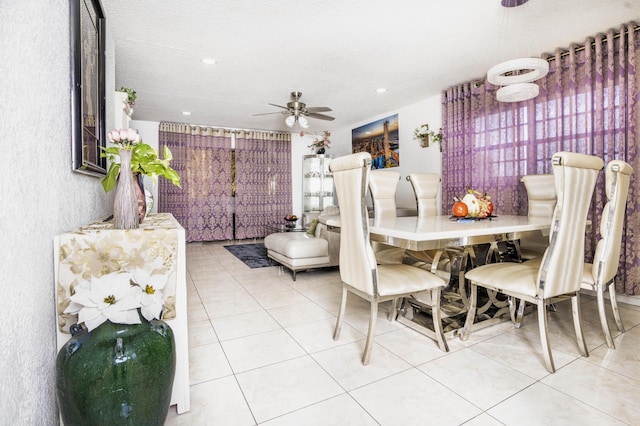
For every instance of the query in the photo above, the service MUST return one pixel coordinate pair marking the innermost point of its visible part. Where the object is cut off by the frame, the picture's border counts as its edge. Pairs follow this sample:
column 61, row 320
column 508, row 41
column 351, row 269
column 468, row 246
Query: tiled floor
column 261, row 352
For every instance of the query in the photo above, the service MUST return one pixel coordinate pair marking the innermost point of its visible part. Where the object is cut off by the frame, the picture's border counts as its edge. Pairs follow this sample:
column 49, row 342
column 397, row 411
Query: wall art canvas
column 381, row 140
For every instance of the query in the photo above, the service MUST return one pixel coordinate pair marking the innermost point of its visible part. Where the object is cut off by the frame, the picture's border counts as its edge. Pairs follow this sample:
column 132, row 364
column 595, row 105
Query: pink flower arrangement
column 125, row 138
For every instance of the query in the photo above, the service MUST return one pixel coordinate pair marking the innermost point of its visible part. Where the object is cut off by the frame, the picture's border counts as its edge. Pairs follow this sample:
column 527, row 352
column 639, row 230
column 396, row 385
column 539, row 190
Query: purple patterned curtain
column 588, row 103
column 263, row 176
column 202, row 158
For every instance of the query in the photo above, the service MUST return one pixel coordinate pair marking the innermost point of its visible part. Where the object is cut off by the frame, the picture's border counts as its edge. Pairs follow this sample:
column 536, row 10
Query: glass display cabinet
column 317, row 183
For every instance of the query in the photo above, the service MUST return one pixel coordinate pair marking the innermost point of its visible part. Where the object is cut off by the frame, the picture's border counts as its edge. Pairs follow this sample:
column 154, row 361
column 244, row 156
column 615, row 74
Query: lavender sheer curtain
column 202, row 158
column 263, row 176
column 588, row 103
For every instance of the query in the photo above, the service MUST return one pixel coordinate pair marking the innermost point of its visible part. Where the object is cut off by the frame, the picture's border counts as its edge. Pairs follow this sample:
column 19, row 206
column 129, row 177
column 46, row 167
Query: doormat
column 253, row 255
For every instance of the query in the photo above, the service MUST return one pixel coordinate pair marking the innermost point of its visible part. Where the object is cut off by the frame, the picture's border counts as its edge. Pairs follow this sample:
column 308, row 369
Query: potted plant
column 423, row 133
column 131, row 95
column 142, row 159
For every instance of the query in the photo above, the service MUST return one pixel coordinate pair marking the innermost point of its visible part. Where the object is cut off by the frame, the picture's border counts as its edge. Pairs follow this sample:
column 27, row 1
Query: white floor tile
column 277, row 335
column 476, row 378
column 344, row 364
column 216, row 402
column 340, row 410
column 279, row 389
column 412, row 398
column 241, row 325
column 262, row 349
column 543, row 405
column 612, row 393
column 207, row 362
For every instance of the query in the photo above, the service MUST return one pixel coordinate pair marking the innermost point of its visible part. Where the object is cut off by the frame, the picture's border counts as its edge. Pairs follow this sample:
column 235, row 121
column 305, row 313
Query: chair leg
column 437, row 320
column 577, row 324
column 544, row 336
column 343, row 305
column 520, row 314
column 373, row 317
column 393, row 313
column 513, row 304
column 603, row 317
column 471, row 313
column 614, row 306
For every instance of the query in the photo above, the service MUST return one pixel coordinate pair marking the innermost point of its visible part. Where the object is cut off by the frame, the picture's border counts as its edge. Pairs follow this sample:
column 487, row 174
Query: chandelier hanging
column 516, row 76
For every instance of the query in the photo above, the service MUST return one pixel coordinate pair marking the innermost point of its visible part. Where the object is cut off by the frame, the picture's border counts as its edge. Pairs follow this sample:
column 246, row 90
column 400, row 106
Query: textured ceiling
column 336, row 52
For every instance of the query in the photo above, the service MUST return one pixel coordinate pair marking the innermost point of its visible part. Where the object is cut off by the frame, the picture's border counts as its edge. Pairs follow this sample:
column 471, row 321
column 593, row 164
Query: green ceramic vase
column 117, row 374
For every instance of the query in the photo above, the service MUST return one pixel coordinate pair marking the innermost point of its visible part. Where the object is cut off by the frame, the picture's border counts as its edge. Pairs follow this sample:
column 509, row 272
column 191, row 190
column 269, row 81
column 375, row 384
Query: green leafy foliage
column 144, row 160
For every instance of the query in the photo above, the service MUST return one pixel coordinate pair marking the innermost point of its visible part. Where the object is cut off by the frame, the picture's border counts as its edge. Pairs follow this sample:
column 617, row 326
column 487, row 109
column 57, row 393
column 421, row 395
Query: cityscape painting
column 381, row 140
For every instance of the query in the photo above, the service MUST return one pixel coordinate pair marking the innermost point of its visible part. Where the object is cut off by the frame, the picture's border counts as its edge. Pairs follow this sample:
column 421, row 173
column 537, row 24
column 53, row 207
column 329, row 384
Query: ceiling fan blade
column 320, row 116
column 279, row 106
column 269, row 113
column 318, row 109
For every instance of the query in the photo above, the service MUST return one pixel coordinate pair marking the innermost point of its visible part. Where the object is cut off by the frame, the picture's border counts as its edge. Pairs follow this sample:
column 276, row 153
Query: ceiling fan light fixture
column 304, row 123
column 290, row 120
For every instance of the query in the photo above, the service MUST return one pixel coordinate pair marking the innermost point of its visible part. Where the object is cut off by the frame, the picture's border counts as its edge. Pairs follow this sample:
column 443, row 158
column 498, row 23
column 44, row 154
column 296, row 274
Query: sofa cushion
column 311, row 230
column 297, row 245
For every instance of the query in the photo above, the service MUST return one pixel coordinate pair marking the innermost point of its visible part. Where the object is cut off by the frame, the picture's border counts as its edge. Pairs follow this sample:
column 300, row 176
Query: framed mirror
column 88, row 131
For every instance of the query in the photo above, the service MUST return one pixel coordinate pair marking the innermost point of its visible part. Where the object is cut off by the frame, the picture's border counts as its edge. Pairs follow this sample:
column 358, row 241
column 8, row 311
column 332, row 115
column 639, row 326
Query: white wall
column 413, row 158
column 41, row 198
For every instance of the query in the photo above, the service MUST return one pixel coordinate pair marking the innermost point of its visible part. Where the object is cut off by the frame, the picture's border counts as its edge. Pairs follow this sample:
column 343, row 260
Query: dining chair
column 443, row 262
column 601, row 274
column 359, row 271
column 425, row 188
column 383, row 185
column 541, row 195
column 559, row 275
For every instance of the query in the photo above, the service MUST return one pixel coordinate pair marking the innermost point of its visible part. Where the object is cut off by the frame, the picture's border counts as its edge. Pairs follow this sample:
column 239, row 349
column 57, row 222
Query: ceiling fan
column 298, row 111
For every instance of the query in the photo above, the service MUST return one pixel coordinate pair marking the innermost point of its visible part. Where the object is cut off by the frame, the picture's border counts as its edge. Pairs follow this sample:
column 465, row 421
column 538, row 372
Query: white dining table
column 427, row 233
column 442, row 232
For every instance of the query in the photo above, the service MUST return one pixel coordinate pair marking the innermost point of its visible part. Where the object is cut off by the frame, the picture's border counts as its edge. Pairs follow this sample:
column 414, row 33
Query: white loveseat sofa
column 298, row 251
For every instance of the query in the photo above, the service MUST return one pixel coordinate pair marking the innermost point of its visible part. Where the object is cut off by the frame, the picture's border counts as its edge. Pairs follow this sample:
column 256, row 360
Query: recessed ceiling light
column 381, row 90
column 208, row 61
column 186, row 112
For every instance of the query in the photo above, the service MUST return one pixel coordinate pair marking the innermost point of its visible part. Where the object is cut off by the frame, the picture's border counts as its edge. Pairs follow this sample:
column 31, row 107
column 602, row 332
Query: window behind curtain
column 587, row 104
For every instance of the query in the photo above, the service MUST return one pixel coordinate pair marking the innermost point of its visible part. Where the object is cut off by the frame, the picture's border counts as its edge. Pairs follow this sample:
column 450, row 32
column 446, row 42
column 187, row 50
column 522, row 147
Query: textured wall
column 41, row 197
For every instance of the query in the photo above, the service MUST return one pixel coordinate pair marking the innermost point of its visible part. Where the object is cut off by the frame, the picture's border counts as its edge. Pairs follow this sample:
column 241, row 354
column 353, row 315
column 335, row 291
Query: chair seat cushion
column 297, row 245
column 405, row 279
column 514, row 277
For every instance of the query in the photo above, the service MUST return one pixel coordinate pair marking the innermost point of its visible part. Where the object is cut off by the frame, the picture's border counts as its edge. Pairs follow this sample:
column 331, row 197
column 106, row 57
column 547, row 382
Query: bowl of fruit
column 290, row 220
column 474, row 205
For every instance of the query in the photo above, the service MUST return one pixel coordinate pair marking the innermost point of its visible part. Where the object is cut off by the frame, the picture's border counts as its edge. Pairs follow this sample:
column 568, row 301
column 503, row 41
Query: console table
column 99, row 248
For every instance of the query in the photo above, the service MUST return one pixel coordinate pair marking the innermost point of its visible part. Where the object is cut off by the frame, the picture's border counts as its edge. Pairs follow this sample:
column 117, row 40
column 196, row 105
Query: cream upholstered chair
column 425, row 187
column 541, row 194
column 359, row 271
column 600, row 275
column 560, row 271
column 382, row 187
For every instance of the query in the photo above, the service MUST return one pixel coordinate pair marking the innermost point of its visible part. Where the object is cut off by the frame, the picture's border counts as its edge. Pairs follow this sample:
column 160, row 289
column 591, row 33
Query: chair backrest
column 425, row 187
column 357, row 261
column 607, row 256
column 561, row 268
column 541, row 192
column 383, row 185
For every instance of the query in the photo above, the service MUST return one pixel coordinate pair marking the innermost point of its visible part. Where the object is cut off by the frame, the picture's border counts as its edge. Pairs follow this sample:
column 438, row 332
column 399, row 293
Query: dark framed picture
column 88, row 131
column 381, row 140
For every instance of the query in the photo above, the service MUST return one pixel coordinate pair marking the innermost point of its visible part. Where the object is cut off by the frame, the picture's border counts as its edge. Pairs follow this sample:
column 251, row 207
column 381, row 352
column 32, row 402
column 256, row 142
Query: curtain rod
column 580, row 48
column 232, row 129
